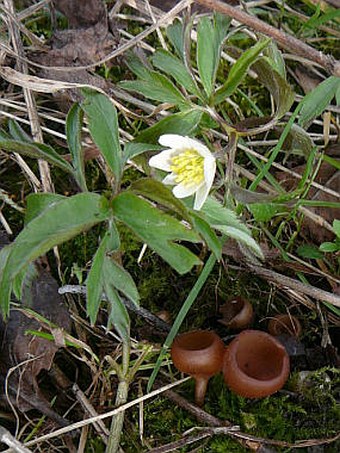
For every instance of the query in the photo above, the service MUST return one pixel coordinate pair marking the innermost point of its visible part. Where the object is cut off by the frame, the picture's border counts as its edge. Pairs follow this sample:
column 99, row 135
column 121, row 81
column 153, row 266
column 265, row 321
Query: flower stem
column 121, row 398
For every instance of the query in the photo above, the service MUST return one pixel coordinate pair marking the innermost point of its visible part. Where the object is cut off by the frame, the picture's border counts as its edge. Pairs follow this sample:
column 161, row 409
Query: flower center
column 188, row 167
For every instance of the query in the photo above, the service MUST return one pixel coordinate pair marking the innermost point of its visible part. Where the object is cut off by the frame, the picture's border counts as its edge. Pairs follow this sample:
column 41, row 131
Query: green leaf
column 239, row 70
column 119, row 316
column 17, row 132
column 216, row 214
column 316, row 101
column 183, row 123
column 309, row 251
column 157, row 229
column 121, row 280
column 298, row 141
column 5, row 282
column 158, row 192
column 134, row 149
column 158, row 87
column 56, row 224
column 95, row 281
column 274, row 57
column 329, row 247
column 241, row 236
column 36, row 203
column 277, row 85
column 175, row 33
column 208, row 54
column 173, row 66
column 74, row 122
column 137, row 66
column 37, row 151
column 208, row 234
column 225, row 221
column 336, row 227
column 263, row 212
column 103, row 126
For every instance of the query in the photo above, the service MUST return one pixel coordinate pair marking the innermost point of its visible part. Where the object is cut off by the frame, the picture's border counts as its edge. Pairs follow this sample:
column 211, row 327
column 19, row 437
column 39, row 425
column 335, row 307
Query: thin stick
column 7, row 438
column 291, row 43
column 91, row 420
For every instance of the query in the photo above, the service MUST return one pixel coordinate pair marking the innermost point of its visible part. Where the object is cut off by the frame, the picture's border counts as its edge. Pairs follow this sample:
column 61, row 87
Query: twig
column 109, row 414
column 283, row 281
column 154, row 320
column 7, row 438
column 291, row 43
column 218, row 426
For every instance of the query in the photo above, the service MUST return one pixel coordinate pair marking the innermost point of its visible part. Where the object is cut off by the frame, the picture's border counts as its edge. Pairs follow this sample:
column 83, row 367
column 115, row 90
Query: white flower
column 191, row 166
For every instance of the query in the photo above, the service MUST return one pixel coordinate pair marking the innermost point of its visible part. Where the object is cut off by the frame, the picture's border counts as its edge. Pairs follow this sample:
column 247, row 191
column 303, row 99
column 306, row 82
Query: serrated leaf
column 157, row 229
column 158, row 87
column 216, row 214
column 240, row 236
column 56, row 224
column 74, row 122
column 37, row 151
column 316, row 101
column 183, row 123
column 103, row 126
column 173, row 66
column 158, row 192
column 239, row 71
column 226, row 221
column 263, row 212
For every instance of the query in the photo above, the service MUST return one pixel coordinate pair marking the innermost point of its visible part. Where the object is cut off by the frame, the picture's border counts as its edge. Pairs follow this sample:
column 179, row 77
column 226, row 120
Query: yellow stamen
column 188, row 167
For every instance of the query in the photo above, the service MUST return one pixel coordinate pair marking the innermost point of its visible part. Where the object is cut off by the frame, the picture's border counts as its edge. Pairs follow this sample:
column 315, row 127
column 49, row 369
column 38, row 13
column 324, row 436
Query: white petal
column 198, row 146
column 182, row 190
column 209, row 171
column 200, row 197
column 172, row 140
column 162, row 160
column 170, row 179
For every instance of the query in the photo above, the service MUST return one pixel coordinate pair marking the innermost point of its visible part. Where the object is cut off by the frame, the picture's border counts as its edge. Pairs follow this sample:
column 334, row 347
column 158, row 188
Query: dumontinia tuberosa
column 200, row 354
column 255, row 364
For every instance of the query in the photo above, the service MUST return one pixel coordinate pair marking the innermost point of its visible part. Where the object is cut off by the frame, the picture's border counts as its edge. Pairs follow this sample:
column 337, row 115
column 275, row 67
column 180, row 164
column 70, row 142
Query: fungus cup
column 255, row 364
column 237, row 313
column 284, row 325
column 200, row 354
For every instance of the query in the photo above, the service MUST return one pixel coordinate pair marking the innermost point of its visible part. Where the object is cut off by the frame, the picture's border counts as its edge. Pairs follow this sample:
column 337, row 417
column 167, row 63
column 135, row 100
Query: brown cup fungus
column 255, row 364
column 237, row 313
column 284, row 325
column 200, row 354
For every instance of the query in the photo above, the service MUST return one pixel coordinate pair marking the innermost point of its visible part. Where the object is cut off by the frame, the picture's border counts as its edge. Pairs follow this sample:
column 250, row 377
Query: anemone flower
column 191, row 166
